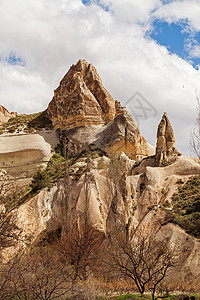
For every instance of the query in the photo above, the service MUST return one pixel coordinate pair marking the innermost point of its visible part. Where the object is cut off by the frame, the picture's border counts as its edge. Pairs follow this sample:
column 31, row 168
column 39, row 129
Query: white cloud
column 135, row 11
column 52, row 35
column 22, row 91
column 188, row 10
column 195, row 51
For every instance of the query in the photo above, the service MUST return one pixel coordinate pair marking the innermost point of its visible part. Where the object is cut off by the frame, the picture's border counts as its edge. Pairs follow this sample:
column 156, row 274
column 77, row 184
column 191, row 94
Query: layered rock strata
column 82, row 107
column 81, row 99
column 22, row 154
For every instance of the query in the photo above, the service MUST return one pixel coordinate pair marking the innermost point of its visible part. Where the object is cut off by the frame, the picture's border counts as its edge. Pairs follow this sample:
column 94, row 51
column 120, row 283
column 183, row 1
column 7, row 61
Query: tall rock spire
column 81, row 99
column 165, row 146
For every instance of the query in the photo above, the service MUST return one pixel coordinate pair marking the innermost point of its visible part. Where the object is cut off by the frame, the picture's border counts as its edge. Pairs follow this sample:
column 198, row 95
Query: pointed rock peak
column 81, row 99
column 165, row 146
column 82, row 63
column 165, row 116
column 3, row 109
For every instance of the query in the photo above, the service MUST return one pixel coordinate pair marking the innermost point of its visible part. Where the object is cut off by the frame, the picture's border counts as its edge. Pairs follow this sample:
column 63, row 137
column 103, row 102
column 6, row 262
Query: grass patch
column 186, row 206
column 166, row 162
column 131, row 296
column 56, row 167
column 27, row 123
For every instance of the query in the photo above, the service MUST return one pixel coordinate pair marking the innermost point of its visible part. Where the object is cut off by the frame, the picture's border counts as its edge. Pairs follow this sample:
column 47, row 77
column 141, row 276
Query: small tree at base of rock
column 144, row 260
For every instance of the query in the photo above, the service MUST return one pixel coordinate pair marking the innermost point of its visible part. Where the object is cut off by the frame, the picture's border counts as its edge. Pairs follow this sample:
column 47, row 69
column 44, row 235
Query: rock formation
column 123, row 135
column 81, row 99
column 5, row 115
column 22, row 154
column 165, row 146
column 109, row 193
column 81, row 102
column 134, row 209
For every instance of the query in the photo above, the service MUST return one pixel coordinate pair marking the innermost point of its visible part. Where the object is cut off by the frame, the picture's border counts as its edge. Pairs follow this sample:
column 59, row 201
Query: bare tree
column 37, row 274
column 144, row 260
column 9, row 231
column 82, row 250
column 195, row 134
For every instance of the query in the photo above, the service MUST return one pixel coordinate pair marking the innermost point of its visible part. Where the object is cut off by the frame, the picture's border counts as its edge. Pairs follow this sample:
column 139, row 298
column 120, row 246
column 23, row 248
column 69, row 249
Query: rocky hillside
column 104, row 171
column 5, row 115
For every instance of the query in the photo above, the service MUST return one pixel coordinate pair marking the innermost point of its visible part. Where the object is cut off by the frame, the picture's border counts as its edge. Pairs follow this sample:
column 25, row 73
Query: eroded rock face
column 165, row 146
column 5, row 115
column 82, row 107
column 136, row 208
column 22, row 154
column 81, row 99
column 123, row 135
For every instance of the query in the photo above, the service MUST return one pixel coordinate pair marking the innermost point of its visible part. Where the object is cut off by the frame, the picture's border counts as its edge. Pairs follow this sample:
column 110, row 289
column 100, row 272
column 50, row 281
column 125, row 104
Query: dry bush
column 38, row 273
column 82, row 251
column 144, row 260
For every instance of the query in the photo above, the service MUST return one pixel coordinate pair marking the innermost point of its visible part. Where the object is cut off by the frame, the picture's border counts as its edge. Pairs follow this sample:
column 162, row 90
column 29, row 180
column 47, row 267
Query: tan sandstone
column 165, row 146
column 81, row 99
column 5, row 115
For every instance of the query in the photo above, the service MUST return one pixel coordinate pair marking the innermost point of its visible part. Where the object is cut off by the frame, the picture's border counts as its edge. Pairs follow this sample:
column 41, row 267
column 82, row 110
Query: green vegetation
column 54, row 170
column 56, row 167
column 40, row 180
column 169, row 160
column 142, row 297
column 131, row 296
column 26, row 123
column 166, row 163
column 186, row 206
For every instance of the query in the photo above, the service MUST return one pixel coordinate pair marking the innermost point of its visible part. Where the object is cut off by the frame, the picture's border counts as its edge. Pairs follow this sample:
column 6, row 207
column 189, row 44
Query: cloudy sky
column 147, row 53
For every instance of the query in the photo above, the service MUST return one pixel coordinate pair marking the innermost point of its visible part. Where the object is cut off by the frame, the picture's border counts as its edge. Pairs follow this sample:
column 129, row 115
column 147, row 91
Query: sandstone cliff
column 123, row 135
column 138, row 207
column 22, row 154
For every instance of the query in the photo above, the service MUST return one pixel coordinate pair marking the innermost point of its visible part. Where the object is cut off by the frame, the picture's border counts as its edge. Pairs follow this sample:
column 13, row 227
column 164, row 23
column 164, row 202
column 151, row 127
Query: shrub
column 40, row 180
column 186, row 206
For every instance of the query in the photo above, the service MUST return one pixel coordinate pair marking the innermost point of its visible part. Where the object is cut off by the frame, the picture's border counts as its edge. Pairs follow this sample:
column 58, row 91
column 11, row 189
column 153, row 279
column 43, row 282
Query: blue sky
column 175, row 36
column 98, row 2
column 171, row 35
column 12, row 59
